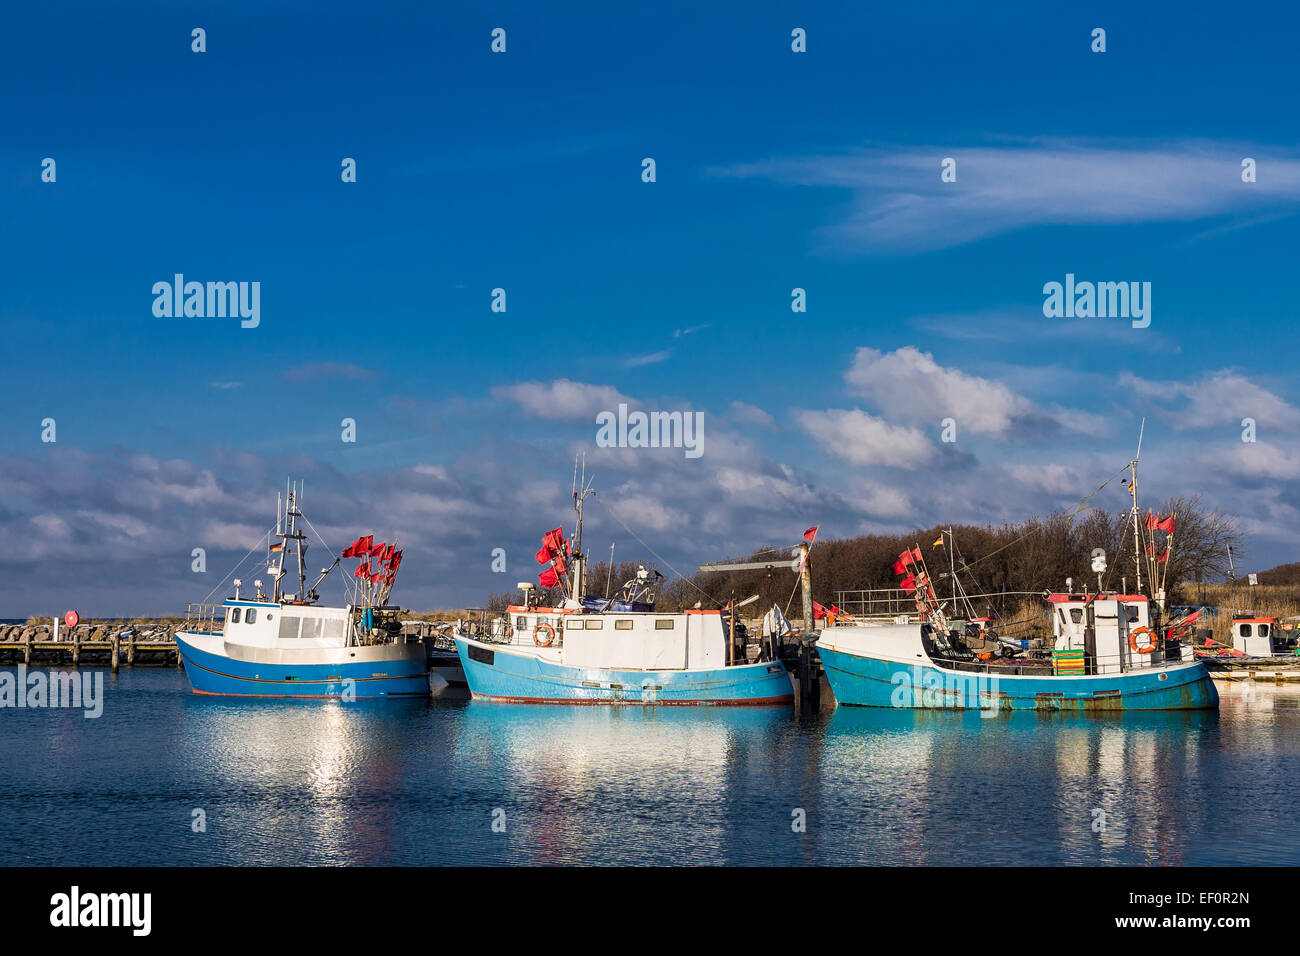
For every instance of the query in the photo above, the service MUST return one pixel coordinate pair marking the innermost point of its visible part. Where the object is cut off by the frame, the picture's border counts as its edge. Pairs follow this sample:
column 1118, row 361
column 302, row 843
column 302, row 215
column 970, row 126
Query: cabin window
column 664, row 624
column 289, row 627
column 1132, row 611
column 1263, row 630
column 1245, row 630
column 623, row 624
column 595, row 624
column 332, row 628
column 521, row 622
column 234, row 615
column 312, row 627
column 251, row 616
column 1076, row 615
column 573, row 625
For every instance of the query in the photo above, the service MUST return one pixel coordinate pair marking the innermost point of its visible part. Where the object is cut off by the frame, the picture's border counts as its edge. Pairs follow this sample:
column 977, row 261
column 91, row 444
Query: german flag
column 278, row 546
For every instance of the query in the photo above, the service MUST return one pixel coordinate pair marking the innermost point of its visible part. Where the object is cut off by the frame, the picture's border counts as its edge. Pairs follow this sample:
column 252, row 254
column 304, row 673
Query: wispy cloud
column 562, row 399
column 900, row 204
column 1220, row 399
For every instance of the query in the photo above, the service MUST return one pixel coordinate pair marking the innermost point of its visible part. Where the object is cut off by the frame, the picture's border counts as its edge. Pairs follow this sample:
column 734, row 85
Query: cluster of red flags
column 909, row 557
column 389, row 559
column 820, row 612
column 1156, row 523
column 554, row 548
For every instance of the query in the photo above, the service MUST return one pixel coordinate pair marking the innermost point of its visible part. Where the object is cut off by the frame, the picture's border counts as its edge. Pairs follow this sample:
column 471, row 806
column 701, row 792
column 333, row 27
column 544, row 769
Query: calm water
column 417, row 783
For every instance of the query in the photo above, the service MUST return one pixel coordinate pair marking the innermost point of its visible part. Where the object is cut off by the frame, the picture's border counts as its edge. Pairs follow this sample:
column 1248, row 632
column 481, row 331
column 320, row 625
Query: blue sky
column 522, row 170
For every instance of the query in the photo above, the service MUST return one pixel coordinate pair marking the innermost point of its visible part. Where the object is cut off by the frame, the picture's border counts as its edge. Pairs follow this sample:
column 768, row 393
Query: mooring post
column 130, row 650
column 27, row 647
column 76, row 646
column 113, row 663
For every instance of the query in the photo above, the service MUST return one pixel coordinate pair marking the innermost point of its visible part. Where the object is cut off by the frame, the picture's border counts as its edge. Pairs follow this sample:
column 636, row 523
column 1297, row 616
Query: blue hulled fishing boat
column 617, row 650
column 1108, row 650
column 286, row 645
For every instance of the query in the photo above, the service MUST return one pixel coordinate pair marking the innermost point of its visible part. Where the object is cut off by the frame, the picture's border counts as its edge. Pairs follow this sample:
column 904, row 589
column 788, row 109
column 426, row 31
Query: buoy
column 71, row 618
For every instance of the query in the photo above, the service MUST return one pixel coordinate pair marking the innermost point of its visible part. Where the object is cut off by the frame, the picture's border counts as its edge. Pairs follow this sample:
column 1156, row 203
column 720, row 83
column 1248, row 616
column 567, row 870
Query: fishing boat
column 1104, row 658
column 583, row 649
column 1260, row 652
column 1107, row 653
column 287, row 645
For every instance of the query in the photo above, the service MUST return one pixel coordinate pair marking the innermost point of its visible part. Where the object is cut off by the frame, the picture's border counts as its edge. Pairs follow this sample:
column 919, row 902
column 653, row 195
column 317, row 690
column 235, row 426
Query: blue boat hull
column 871, row 682
column 218, row 674
column 495, row 673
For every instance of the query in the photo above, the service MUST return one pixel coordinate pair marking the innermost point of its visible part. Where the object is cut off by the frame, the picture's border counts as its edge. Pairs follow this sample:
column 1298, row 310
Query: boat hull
column 390, row 670
column 865, row 681
column 496, row 672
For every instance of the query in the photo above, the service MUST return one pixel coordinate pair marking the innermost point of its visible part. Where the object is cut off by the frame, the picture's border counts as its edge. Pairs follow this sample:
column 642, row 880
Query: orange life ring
column 1133, row 640
column 550, row 634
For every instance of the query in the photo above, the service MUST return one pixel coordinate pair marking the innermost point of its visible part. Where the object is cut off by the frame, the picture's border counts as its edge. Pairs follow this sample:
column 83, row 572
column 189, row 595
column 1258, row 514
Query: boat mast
column 1132, row 488
column 578, row 563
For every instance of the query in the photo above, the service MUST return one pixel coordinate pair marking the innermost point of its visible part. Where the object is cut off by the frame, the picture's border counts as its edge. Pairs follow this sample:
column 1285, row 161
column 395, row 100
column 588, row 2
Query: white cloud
column 1217, row 400
column 562, row 399
column 743, row 413
column 863, row 439
column 900, row 203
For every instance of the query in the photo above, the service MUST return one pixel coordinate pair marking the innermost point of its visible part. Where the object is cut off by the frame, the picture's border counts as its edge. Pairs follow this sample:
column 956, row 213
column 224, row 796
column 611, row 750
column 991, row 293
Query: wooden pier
column 84, row 646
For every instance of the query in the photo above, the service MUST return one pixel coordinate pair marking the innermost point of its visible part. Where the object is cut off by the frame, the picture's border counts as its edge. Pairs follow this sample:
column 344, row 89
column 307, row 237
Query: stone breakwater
column 143, row 630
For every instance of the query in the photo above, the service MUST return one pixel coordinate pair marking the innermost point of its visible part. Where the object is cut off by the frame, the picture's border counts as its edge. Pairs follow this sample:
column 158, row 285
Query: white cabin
column 1253, row 636
column 627, row 640
column 258, row 624
column 1112, row 629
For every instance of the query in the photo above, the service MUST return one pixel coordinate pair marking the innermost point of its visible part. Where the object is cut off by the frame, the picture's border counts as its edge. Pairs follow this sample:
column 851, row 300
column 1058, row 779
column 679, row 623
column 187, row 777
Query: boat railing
column 1092, row 666
column 499, row 632
column 205, row 618
column 882, row 603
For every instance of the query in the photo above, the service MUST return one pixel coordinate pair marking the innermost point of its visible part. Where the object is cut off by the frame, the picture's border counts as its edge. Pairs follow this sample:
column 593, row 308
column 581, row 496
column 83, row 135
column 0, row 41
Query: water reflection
column 285, row 782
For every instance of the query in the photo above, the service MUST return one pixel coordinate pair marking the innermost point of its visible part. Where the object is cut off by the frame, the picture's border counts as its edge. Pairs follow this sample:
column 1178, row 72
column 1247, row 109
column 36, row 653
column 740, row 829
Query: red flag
column 548, row 578
column 811, row 534
column 377, row 550
column 362, row 570
column 361, row 547
column 395, row 560
column 916, row 554
column 1166, row 525
column 543, row 556
column 553, row 541
column 836, row 611
column 390, row 577
column 347, row 552
column 818, row 611
column 1152, row 520
column 899, row 568
column 1162, row 556
column 376, row 576
column 904, row 559
column 908, row 584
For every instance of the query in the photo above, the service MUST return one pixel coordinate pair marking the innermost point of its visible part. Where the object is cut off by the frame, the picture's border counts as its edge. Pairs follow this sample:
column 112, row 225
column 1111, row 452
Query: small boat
column 287, row 645
column 1105, row 658
column 620, row 650
column 1260, row 651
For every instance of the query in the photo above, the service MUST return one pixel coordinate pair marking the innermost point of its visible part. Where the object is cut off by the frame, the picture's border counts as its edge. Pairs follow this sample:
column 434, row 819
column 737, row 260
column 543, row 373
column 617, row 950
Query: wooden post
column 113, row 665
column 27, row 647
column 76, row 647
column 130, row 651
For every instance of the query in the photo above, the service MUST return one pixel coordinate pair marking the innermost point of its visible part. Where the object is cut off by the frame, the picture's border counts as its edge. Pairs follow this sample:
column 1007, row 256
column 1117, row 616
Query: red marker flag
column 548, row 578
column 1166, row 525
column 1152, row 521
column 363, row 569
column 908, row 584
column 543, row 556
column 899, row 568
column 811, row 534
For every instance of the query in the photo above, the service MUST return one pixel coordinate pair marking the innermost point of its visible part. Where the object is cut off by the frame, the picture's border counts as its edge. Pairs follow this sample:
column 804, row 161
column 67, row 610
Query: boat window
column 289, row 627
column 595, row 624
column 572, row 625
column 521, row 621
column 1132, row 611
column 312, row 627
column 251, row 616
column 623, row 624
column 664, row 624
column 331, row 627
column 1076, row 615
column 234, row 615
column 1245, row 630
column 1263, row 630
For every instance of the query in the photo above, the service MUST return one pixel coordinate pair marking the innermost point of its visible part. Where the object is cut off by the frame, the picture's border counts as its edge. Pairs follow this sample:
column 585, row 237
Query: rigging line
column 265, row 535
column 1082, row 506
column 652, row 550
